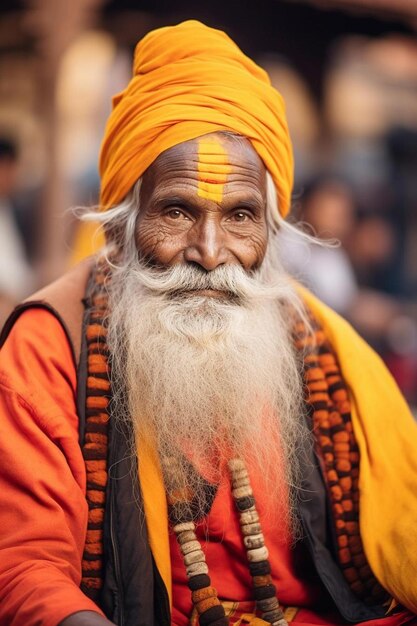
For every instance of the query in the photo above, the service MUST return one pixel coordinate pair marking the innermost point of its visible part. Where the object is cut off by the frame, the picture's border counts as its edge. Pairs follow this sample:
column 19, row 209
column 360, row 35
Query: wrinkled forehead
column 213, row 160
column 238, row 148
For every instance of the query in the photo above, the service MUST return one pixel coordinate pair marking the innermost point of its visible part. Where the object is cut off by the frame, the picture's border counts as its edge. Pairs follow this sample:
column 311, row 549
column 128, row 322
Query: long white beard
column 210, row 378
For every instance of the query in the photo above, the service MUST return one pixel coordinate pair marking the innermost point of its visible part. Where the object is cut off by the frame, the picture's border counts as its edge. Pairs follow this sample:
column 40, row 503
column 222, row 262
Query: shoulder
column 37, row 357
column 38, row 380
column 64, row 298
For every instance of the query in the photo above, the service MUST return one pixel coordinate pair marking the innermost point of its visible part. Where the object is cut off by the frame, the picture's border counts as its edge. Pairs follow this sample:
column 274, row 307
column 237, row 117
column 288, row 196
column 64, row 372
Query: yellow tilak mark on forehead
column 213, row 168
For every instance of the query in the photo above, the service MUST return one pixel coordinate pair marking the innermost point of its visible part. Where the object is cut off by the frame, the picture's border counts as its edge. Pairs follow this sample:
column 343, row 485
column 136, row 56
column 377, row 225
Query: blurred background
column 348, row 72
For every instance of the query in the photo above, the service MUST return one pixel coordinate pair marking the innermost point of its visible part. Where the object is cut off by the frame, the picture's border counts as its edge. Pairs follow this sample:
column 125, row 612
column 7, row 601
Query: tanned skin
column 177, row 225
column 197, row 208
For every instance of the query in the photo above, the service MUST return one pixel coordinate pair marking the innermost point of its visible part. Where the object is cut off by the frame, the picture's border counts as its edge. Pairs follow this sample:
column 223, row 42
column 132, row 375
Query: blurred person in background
column 346, row 269
column 371, row 248
column 327, row 206
column 16, row 279
column 187, row 435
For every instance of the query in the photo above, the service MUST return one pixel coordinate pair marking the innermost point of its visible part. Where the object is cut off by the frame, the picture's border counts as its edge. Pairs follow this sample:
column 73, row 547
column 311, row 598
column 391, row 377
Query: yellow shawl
column 387, row 437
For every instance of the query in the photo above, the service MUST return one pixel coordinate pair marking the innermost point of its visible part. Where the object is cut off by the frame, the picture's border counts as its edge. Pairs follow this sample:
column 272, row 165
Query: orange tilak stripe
column 213, row 169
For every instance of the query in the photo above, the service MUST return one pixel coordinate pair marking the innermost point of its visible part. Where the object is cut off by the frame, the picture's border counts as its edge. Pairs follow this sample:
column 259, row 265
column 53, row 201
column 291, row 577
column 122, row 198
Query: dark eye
column 176, row 214
column 240, row 216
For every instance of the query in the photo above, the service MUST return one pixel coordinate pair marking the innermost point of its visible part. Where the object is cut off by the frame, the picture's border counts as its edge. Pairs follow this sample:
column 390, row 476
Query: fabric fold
column 190, row 80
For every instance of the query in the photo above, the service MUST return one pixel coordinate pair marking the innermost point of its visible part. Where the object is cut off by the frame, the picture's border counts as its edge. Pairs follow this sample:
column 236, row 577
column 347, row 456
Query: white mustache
column 233, row 280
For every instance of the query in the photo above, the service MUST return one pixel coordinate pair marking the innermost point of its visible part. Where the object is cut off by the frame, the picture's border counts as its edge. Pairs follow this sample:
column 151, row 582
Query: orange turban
column 190, row 80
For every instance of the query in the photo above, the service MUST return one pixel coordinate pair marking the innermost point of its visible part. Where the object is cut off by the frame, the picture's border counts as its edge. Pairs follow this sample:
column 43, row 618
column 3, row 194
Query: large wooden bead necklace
column 204, row 597
column 265, row 592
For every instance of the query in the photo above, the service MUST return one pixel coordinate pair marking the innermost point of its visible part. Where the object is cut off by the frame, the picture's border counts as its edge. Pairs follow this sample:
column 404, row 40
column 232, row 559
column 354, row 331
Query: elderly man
column 204, row 442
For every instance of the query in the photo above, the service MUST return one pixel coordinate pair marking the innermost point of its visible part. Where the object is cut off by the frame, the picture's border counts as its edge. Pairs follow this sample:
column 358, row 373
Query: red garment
column 226, row 558
column 292, row 570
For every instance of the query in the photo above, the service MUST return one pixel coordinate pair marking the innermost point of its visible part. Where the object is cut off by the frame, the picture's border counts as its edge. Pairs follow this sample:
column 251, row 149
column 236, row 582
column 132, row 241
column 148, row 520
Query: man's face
column 203, row 325
column 204, row 202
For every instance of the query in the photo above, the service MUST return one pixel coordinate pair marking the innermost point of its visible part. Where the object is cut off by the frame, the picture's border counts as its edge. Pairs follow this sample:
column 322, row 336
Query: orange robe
column 43, row 511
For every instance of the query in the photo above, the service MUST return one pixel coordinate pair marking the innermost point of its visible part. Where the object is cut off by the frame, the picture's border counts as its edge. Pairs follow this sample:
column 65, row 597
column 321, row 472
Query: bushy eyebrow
column 166, row 197
column 161, row 199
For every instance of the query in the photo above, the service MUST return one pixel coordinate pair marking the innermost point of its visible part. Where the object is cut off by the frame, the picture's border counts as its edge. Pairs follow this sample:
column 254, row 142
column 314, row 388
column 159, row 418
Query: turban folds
column 190, row 80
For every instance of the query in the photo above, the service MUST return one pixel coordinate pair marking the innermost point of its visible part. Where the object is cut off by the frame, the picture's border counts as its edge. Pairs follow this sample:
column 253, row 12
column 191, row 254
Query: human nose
column 206, row 245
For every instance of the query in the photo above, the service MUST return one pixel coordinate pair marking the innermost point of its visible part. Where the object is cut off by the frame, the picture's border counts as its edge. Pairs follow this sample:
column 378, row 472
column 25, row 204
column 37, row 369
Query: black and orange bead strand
column 95, row 445
column 330, row 408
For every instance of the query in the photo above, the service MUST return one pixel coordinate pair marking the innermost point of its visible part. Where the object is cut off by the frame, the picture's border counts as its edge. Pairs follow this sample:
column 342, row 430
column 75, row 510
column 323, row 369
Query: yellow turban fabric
column 190, row 80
